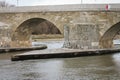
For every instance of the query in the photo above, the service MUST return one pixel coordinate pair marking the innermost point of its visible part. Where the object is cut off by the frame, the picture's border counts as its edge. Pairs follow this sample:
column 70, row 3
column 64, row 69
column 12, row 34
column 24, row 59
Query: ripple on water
column 106, row 67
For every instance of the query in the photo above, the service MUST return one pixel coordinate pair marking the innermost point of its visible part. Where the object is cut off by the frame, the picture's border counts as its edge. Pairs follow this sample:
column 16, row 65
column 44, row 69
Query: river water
column 105, row 67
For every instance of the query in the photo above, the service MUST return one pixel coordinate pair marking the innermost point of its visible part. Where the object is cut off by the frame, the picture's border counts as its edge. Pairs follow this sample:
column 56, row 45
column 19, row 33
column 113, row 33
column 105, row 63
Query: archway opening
column 107, row 40
column 34, row 29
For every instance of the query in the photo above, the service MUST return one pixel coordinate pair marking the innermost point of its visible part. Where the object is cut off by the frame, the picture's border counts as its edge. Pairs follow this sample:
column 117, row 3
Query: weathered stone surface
column 82, row 36
column 5, row 35
column 103, row 19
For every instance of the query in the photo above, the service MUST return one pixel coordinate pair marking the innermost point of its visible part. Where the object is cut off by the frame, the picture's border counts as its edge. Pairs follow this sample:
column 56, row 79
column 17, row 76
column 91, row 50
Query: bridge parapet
column 56, row 8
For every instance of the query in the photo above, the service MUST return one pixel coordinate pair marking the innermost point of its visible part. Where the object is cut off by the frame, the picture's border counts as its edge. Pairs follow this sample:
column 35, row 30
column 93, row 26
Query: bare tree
column 5, row 4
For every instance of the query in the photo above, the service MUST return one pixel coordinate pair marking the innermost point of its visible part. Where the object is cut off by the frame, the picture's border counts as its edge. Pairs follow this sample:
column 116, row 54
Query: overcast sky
column 57, row 2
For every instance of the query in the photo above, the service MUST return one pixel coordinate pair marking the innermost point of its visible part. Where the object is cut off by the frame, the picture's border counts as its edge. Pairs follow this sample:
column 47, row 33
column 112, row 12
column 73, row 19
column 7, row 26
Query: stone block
column 82, row 36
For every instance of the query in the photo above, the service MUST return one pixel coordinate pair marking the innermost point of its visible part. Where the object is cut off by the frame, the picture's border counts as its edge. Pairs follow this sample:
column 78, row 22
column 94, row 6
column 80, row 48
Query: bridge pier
column 5, row 35
column 81, row 36
column 108, row 43
column 21, row 44
column 6, row 40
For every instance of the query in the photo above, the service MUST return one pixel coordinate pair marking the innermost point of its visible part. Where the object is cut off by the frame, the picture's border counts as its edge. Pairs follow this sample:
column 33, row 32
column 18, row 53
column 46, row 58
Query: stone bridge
column 83, row 26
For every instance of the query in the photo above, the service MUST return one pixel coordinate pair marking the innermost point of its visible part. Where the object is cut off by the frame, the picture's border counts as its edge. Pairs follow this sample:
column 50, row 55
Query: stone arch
column 106, row 41
column 34, row 26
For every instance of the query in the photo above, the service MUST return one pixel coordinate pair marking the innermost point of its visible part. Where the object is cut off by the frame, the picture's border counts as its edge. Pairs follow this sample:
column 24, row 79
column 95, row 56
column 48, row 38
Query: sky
column 57, row 2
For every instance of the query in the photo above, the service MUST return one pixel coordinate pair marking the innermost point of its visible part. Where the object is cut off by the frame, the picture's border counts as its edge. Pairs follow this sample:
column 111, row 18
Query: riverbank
column 40, row 47
column 61, row 53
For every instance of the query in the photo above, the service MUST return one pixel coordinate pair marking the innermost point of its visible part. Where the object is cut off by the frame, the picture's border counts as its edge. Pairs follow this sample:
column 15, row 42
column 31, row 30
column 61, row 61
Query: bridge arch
column 106, row 41
column 34, row 26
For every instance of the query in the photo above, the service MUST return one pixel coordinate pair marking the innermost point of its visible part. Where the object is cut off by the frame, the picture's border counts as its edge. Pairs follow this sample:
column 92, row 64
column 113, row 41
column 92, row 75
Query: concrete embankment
column 61, row 53
column 3, row 50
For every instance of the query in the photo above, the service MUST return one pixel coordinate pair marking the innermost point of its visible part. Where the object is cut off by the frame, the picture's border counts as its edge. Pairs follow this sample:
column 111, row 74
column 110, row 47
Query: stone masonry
column 89, row 26
column 82, row 36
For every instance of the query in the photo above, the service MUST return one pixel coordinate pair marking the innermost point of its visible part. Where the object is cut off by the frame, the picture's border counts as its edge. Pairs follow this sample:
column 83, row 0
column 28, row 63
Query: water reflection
column 4, row 56
column 116, row 60
column 81, row 68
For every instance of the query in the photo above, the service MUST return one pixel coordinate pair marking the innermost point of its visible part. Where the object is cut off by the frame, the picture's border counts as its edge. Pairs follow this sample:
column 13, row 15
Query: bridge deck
column 55, row 8
column 61, row 53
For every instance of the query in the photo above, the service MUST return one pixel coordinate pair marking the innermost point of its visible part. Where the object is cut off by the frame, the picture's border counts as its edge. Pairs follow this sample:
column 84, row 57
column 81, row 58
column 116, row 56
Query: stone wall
column 82, row 36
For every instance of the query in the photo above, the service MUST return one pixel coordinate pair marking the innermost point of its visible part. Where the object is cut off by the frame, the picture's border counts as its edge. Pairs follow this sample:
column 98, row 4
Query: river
column 105, row 67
